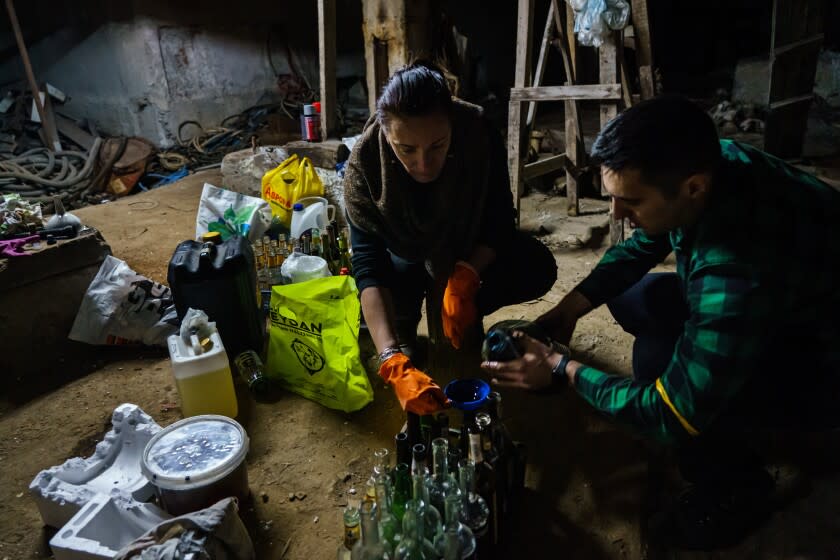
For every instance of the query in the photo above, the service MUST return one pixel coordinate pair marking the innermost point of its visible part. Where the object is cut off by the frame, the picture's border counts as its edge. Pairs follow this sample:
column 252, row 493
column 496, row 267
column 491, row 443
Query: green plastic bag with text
column 313, row 347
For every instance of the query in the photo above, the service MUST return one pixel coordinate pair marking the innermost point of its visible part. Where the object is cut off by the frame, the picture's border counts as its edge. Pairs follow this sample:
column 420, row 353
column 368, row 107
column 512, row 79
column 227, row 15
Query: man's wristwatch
column 558, row 372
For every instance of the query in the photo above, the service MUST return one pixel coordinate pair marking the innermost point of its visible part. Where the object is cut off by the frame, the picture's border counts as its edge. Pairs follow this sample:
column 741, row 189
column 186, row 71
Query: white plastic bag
column 123, row 307
column 299, row 268
column 594, row 19
column 231, row 213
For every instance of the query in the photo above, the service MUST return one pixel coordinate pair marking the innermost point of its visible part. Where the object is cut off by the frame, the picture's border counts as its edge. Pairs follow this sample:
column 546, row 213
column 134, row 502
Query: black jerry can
column 221, row 281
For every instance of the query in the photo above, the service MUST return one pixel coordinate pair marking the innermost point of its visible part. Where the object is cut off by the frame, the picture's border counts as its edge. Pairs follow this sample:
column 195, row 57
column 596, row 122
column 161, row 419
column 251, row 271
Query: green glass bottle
column 389, row 527
column 413, row 545
column 402, row 491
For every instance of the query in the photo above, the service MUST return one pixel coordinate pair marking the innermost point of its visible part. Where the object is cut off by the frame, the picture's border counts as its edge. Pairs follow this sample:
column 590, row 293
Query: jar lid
column 297, row 206
column 194, row 452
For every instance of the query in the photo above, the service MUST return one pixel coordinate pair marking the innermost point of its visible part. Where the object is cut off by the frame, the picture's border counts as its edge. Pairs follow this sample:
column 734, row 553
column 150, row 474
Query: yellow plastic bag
column 293, row 179
column 313, row 347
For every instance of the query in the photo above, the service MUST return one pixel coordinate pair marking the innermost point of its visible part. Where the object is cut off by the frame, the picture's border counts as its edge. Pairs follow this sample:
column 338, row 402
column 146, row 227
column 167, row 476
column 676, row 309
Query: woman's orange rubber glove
column 415, row 390
column 459, row 312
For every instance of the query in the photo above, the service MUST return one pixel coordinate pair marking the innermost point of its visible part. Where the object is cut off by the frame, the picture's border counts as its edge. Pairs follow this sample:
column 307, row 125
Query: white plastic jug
column 202, row 375
column 310, row 212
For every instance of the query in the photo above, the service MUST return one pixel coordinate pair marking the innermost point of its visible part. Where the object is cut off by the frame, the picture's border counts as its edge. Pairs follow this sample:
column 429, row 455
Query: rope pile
column 40, row 174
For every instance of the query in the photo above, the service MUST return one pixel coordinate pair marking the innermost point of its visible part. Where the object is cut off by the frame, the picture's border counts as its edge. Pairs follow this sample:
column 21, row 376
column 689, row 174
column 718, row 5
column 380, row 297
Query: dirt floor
column 590, row 485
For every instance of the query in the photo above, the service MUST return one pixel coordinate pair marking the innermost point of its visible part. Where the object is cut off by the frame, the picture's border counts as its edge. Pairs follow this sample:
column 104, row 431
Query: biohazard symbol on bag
column 315, row 330
column 308, row 357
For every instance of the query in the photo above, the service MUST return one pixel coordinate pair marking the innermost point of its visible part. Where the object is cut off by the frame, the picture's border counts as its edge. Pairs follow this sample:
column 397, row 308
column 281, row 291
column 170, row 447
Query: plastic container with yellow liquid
column 202, row 375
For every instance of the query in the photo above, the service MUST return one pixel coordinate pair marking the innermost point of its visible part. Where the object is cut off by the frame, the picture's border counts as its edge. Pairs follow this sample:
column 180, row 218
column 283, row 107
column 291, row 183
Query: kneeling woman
column 431, row 216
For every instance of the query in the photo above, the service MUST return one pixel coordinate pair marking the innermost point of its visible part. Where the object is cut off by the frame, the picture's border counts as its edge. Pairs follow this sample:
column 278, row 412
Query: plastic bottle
column 202, row 375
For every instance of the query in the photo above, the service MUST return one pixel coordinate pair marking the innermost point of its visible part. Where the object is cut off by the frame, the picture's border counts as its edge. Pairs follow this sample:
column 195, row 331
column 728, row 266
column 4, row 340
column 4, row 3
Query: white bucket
column 196, row 462
column 314, row 212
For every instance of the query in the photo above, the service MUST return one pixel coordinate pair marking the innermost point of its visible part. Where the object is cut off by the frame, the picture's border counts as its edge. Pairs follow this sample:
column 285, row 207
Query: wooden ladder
column 612, row 90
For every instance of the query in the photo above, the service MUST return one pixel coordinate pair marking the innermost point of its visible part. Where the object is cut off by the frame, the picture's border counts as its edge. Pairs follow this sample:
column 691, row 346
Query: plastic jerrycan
column 221, row 281
column 202, row 375
column 310, row 212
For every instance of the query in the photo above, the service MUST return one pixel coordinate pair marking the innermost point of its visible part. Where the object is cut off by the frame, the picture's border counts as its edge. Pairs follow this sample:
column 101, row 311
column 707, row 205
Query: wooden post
column 326, row 56
column 572, row 203
column 541, row 62
column 525, row 17
column 52, row 140
column 608, row 74
column 644, row 48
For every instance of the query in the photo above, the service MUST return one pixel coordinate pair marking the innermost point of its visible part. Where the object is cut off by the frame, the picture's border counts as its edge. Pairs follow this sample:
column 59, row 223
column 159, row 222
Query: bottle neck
column 440, row 461
column 370, row 526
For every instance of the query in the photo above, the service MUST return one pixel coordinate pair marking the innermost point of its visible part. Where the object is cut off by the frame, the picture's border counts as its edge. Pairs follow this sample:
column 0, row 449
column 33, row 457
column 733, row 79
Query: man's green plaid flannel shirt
column 758, row 263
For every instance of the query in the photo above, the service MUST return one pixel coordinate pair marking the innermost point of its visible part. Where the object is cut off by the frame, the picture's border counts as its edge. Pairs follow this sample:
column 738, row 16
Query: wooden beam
column 607, row 71
column 541, row 62
column 598, row 92
column 326, row 58
column 544, row 165
column 516, row 141
column 51, row 138
column 641, row 29
column 564, row 44
column 573, row 153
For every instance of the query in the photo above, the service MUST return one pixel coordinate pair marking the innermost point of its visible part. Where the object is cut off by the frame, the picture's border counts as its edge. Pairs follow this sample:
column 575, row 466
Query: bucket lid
column 194, row 452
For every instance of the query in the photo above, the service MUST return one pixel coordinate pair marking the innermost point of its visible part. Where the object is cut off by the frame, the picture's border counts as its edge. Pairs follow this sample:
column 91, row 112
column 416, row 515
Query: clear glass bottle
column 317, row 249
column 432, row 520
column 442, row 482
column 485, row 473
column 389, row 527
column 413, row 545
column 474, row 510
column 465, row 537
column 251, row 370
column 352, row 531
column 381, row 465
column 369, row 547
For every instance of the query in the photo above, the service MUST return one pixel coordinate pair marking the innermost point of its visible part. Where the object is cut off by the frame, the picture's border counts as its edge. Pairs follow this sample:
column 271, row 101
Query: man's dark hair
column 415, row 90
column 667, row 139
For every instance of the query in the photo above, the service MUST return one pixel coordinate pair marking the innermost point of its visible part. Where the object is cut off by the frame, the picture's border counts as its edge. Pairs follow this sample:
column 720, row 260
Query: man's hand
column 415, row 390
column 458, row 311
column 532, row 371
column 560, row 321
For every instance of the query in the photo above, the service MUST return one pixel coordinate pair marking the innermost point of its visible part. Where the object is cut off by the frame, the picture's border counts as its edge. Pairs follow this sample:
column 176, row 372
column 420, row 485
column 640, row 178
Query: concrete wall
column 145, row 68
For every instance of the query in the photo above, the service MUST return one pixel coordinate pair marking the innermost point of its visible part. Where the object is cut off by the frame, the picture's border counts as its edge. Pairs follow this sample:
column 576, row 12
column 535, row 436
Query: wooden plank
column 598, row 92
column 607, row 73
column 572, row 152
column 626, row 95
column 785, row 129
column 814, row 39
column 326, row 59
column 544, row 165
column 564, row 43
column 792, row 73
column 641, row 29
column 541, row 62
column 646, row 82
column 570, row 33
column 69, row 129
column 794, row 20
column 516, row 141
column 51, row 140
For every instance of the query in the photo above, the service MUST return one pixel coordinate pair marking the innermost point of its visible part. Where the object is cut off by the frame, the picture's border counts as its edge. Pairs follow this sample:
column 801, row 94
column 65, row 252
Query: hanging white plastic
column 594, row 19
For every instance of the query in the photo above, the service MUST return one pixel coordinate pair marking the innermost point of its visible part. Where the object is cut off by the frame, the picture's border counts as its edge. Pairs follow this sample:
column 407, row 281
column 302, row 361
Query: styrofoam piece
column 61, row 491
column 103, row 526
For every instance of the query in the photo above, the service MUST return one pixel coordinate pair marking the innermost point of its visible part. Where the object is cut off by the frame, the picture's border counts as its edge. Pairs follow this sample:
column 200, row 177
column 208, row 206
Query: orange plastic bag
column 293, row 179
